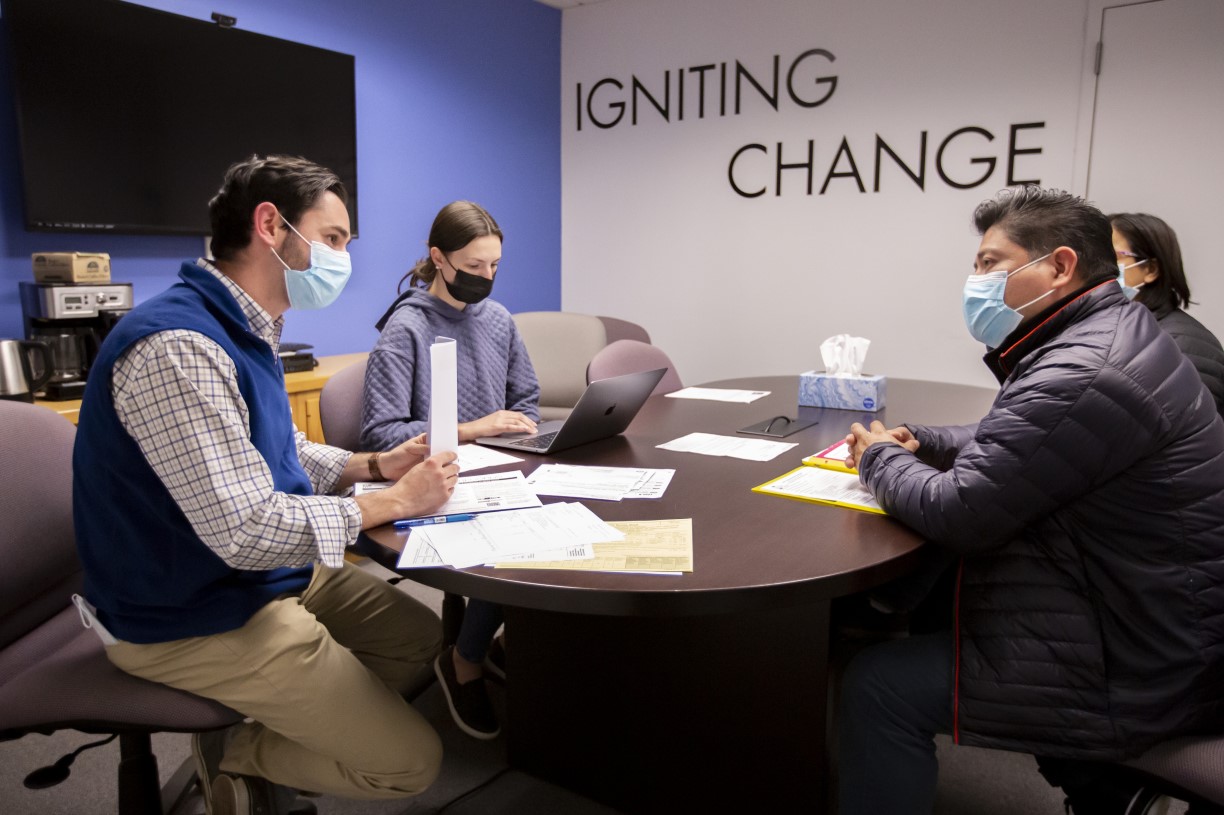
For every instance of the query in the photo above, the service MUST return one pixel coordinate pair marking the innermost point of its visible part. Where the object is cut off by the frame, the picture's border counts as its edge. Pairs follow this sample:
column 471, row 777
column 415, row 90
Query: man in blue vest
column 213, row 533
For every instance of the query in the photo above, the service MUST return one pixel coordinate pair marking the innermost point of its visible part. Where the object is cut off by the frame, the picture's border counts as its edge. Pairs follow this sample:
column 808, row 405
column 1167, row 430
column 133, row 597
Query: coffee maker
column 72, row 319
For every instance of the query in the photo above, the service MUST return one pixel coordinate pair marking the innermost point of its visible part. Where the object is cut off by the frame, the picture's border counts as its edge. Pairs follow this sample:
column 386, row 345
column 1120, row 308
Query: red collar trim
column 1036, row 328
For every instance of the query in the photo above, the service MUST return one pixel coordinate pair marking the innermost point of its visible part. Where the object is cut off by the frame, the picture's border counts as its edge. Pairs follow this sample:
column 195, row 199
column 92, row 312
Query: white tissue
column 843, row 355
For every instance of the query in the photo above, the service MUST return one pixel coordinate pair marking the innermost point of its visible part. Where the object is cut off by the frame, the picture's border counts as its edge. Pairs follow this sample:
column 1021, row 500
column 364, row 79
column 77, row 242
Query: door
column 1157, row 129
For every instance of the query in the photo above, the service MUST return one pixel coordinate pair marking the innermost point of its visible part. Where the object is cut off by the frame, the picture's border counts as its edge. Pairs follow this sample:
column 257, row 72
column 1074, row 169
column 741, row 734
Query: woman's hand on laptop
column 501, row 421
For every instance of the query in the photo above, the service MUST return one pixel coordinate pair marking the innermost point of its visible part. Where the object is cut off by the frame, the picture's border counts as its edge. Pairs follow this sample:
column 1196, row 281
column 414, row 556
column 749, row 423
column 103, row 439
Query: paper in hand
column 443, row 397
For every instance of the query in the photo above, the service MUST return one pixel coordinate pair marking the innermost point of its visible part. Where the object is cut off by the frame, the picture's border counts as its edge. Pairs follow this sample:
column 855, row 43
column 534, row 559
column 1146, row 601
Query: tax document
column 601, row 483
column 488, row 493
column 649, row 547
column 717, row 394
column 499, row 535
column 823, row 487
column 709, row 444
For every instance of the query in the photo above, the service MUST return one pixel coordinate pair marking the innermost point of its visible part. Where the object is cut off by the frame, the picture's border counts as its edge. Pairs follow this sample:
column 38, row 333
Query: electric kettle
column 17, row 381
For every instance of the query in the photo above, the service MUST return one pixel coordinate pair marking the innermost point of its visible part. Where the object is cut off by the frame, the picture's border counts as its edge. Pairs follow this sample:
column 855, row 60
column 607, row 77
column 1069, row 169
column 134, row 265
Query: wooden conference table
column 654, row 693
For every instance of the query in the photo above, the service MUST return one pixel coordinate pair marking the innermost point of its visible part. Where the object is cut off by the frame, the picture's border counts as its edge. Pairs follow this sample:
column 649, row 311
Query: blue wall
column 455, row 99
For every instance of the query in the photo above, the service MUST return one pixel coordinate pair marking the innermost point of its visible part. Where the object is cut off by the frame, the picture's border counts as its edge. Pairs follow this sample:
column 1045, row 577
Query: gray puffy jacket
column 1088, row 506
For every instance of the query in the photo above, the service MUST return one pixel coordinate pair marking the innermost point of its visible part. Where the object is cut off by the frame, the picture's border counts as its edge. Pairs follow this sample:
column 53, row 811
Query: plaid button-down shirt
column 176, row 393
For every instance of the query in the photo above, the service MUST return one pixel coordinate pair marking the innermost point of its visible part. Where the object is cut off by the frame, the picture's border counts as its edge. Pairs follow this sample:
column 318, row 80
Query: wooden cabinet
column 303, row 388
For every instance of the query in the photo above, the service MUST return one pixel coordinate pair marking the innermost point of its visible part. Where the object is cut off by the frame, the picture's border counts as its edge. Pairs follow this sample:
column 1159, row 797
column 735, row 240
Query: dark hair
column 1041, row 220
column 456, row 225
column 1155, row 241
column 292, row 183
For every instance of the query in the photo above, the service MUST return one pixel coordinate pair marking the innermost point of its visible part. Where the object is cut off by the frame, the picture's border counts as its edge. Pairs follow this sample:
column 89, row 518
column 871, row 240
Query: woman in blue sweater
column 497, row 389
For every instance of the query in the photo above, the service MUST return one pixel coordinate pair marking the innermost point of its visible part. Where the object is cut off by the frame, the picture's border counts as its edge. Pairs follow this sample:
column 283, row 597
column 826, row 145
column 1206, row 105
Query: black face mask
column 468, row 288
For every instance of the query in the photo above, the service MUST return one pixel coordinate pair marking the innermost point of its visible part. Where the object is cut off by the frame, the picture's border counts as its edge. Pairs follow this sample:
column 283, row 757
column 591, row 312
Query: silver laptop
column 606, row 408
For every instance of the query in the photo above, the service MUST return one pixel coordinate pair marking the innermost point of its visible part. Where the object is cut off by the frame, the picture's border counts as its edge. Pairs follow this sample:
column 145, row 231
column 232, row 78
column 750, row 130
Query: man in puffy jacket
column 1086, row 511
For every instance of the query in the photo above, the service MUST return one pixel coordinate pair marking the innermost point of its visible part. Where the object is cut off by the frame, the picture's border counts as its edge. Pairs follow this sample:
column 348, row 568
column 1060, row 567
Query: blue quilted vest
column 149, row 574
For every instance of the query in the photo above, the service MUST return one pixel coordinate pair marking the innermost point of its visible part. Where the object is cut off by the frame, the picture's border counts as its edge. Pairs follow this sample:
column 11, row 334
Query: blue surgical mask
column 320, row 285
column 1129, row 291
column 987, row 317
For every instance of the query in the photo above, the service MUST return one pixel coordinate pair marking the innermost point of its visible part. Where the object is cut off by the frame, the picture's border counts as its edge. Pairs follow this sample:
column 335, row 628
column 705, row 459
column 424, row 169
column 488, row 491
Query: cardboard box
column 860, row 393
column 71, row 267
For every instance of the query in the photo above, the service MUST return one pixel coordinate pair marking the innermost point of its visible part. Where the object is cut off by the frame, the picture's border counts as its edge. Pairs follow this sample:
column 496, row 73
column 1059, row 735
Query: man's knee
column 864, row 683
column 421, row 762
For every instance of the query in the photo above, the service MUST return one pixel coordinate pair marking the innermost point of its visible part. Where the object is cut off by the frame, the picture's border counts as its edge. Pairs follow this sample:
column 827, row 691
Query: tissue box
column 842, row 392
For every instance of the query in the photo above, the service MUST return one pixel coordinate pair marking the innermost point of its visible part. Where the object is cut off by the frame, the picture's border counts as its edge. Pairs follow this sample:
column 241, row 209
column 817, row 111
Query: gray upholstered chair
column 340, row 406
column 618, row 329
column 631, row 356
column 1188, row 769
column 54, row 674
column 560, row 344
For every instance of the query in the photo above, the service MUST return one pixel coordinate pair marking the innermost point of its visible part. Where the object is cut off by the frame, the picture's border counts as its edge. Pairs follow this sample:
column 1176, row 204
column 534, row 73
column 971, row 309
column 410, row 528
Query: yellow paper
column 649, row 546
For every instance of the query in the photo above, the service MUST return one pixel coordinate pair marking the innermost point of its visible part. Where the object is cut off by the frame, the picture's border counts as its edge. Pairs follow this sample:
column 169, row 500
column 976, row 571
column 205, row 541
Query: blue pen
column 436, row 519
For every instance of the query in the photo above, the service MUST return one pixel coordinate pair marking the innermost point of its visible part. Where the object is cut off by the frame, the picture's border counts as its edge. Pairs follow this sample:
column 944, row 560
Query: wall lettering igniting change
column 962, row 159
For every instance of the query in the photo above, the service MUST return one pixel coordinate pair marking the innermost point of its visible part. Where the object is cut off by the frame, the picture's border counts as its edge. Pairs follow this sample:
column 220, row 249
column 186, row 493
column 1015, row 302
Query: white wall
column 652, row 230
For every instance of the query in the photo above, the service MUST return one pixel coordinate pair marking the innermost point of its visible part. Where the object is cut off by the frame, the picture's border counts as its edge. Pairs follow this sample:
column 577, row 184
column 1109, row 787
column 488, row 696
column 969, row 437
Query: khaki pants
column 321, row 677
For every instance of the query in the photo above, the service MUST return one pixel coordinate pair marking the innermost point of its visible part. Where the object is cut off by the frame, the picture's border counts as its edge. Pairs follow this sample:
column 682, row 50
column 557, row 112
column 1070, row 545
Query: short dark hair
column 455, row 226
column 1154, row 240
column 292, row 183
column 1041, row 220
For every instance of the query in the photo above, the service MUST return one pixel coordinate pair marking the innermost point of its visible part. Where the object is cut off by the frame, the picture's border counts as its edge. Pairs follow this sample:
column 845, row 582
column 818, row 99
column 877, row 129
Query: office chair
column 54, row 674
column 340, row 414
column 1189, row 769
column 560, row 344
column 631, row 356
column 340, row 406
column 618, row 329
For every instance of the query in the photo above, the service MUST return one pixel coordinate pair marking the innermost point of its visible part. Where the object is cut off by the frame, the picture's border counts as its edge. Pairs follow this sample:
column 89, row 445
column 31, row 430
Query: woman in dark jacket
column 1150, row 272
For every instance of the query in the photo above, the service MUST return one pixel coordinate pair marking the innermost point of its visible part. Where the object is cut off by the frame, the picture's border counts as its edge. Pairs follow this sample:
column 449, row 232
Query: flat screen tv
column 128, row 116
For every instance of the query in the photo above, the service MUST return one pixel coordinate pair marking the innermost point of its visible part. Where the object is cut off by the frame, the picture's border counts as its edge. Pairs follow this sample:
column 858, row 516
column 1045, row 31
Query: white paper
column 578, row 551
column 652, row 484
column 418, row 554
column 476, row 457
column 599, row 483
column 367, row 487
column 489, row 492
column 825, row 485
column 443, row 397
column 717, row 394
column 499, row 535
column 708, row 444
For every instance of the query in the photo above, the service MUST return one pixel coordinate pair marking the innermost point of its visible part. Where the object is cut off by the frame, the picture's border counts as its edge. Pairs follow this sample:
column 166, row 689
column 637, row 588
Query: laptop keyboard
column 540, row 442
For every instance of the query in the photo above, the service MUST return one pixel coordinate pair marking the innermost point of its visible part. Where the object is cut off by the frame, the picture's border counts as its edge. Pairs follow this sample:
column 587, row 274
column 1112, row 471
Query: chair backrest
column 340, row 406
column 631, row 356
column 618, row 329
column 561, row 345
column 37, row 544
column 54, row 673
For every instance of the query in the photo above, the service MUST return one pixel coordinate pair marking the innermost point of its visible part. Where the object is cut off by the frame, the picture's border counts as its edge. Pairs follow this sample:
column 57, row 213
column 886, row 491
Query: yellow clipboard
column 822, row 486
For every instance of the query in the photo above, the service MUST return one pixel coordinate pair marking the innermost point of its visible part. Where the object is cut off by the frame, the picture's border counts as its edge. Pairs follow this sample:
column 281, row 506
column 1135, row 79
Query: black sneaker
column 469, row 703
column 248, row 795
column 207, row 749
column 495, row 660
